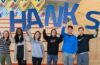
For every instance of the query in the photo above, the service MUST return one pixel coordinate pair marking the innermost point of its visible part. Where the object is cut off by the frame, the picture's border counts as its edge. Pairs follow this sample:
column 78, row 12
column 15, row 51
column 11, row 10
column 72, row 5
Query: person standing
column 83, row 46
column 37, row 47
column 20, row 52
column 4, row 49
column 69, row 47
column 52, row 46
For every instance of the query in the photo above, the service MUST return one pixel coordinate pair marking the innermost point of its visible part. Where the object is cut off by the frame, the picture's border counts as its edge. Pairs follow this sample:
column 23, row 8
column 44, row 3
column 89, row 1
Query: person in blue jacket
column 70, row 45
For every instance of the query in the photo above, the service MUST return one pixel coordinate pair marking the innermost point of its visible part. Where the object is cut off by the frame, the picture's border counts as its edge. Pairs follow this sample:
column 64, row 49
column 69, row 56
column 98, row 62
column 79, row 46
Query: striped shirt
column 4, row 46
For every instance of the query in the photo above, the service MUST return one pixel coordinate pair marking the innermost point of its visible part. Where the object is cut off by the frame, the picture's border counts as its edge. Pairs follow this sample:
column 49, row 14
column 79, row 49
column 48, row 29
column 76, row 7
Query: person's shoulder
column 74, row 35
column 86, row 34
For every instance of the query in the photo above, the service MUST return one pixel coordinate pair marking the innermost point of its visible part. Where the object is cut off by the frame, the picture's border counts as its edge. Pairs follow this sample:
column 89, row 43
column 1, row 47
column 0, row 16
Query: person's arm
column 11, row 38
column 75, row 45
column 93, row 35
column 45, row 36
column 0, row 35
column 8, row 42
column 42, row 48
column 60, row 39
column 63, row 31
column 30, row 35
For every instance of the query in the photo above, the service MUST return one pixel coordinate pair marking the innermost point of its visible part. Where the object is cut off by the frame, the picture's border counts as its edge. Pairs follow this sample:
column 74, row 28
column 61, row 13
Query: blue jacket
column 70, row 43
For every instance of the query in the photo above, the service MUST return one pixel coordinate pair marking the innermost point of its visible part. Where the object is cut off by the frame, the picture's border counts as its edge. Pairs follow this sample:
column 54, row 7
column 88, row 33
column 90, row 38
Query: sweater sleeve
column 42, row 49
column 8, row 42
column 30, row 35
column 90, row 36
column 11, row 38
column 45, row 36
column 75, row 45
column 63, row 32
column 60, row 39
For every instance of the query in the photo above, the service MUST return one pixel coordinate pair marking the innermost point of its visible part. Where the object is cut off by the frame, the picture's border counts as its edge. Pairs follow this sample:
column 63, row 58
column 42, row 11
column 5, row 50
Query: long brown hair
column 39, row 35
column 8, row 35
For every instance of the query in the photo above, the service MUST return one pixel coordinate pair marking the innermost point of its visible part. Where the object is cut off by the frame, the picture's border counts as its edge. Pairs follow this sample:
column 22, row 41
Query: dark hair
column 17, row 36
column 8, row 35
column 81, row 28
column 70, row 26
column 39, row 35
column 53, row 30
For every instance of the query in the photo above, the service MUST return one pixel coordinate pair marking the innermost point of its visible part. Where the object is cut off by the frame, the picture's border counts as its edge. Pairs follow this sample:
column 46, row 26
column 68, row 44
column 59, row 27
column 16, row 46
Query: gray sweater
column 37, row 47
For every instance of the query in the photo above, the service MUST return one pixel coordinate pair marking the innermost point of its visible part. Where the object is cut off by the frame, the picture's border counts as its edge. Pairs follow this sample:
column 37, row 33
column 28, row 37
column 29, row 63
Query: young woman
column 20, row 47
column 52, row 46
column 4, row 49
column 37, row 48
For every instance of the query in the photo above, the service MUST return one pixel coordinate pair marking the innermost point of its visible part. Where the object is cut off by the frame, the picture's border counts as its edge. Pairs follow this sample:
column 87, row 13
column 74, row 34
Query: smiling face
column 81, row 30
column 53, row 33
column 37, row 35
column 70, row 29
column 19, row 31
column 5, row 34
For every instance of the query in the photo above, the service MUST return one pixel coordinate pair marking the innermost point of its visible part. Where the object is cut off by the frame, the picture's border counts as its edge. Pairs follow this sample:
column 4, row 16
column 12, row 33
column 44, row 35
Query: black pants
column 21, row 62
column 36, row 61
column 20, row 55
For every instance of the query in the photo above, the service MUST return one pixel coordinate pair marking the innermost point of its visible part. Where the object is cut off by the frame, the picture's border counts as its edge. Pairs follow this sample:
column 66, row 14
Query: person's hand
column 74, row 56
column 44, row 27
column 64, row 25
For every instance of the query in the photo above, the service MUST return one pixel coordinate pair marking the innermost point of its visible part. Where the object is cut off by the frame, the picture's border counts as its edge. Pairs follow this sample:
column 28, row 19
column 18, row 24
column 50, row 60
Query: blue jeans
column 51, row 58
column 68, row 59
column 83, row 59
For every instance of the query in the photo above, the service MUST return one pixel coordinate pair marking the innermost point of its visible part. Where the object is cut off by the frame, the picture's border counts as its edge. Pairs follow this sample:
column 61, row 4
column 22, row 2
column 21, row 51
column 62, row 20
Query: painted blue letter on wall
column 13, row 21
column 95, row 21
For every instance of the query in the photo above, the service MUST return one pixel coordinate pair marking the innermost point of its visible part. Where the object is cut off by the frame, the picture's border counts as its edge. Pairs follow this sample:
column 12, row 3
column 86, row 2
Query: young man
column 53, row 46
column 83, row 46
column 69, row 47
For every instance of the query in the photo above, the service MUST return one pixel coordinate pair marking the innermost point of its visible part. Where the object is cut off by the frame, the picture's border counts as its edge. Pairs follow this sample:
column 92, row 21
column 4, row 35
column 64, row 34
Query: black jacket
column 53, row 43
column 83, row 42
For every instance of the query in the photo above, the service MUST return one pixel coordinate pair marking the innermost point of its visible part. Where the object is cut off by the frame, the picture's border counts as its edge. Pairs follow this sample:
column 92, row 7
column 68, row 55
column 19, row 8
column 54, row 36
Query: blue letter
column 88, row 16
column 12, row 21
column 66, row 13
column 30, row 22
column 51, row 9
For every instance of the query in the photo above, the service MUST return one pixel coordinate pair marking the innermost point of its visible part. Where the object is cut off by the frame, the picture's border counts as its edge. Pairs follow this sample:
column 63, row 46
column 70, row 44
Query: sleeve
column 0, row 35
column 45, row 36
column 12, row 39
column 63, row 32
column 42, row 48
column 60, row 39
column 75, row 45
column 90, row 36
column 30, row 35
column 8, row 42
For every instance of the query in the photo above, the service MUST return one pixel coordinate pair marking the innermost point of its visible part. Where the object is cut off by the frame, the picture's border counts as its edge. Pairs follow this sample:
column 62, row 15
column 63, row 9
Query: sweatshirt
column 37, row 47
column 70, row 43
column 52, row 43
column 83, row 42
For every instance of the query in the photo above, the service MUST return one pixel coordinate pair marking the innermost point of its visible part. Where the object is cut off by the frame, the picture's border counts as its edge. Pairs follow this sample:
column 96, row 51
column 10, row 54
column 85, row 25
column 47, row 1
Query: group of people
column 72, row 46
